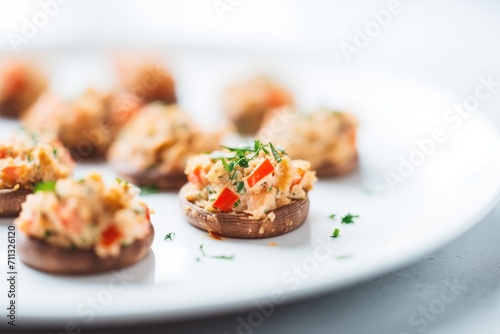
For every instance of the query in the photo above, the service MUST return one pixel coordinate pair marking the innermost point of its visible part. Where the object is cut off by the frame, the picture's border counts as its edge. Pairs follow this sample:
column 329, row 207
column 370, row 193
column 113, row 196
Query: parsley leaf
column 243, row 154
column 45, row 186
column 226, row 166
column 276, row 155
column 240, row 188
column 169, row 236
column 220, row 257
column 120, row 180
column 348, row 219
column 223, row 257
column 149, row 190
column 335, row 233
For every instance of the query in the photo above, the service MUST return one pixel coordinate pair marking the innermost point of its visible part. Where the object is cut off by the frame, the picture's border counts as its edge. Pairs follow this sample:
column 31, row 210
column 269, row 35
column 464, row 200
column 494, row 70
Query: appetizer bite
column 25, row 160
column 20, row 85
column 83, row 226
column 247, row 103
column 254, row 191
column 153, row 147
column 146, row 80
column 327, row 139
column 87, row 125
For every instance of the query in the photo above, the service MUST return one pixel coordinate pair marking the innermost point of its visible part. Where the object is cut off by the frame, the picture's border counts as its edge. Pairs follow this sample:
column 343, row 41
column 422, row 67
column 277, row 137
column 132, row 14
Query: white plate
column 445, row 196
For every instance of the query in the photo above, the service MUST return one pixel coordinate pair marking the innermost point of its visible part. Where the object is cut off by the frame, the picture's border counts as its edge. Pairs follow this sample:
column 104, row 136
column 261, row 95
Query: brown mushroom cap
column 242, row 226
column 11, row 201
column 150, row 178
column 332, row 170
column 45, row 257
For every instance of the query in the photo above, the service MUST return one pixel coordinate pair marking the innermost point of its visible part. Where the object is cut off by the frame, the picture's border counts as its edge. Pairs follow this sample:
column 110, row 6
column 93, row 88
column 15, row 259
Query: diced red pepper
column 226, row 200
column 198, row 176
column 146, row 209
column 110, row 235
column 297, row 180
column 3, row 153
column 12, row 173
column 265, row 168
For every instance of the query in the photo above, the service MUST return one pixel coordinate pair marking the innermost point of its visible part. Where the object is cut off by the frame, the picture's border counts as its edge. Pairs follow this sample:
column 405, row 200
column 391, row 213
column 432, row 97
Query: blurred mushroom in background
column 21, row 82
column 87, row 125
column 246, row 103
column 325, row 138
column 145, row 79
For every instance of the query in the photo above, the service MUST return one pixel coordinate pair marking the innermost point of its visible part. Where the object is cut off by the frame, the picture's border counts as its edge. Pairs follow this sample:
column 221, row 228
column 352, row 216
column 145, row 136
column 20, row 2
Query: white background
column 448, row 43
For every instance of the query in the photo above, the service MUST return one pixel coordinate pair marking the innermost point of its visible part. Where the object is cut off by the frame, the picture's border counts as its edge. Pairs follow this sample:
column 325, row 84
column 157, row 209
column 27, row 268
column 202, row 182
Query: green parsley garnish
column 240, row 188
column 149, row 190
column 223, row 257
column 54, row 151
column 348, row 219
column 332, row 216
column 242, row 155
column 169, row 236
column 120, row 180
column 276, row 155
column 220, row 257
column 335, row 233
column 45, row 186
column 226, row 166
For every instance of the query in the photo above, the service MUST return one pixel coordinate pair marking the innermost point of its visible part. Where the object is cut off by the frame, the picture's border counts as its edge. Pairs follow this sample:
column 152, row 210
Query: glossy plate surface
column 447, row 193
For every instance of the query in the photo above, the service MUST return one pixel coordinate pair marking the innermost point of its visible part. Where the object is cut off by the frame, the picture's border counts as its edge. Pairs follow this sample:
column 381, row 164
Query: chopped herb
column 270, row 189
column 223, row 257
column 120, row 181
column 202, row 251
column 54, row 151
column 169, row 236
column 335, row 233
column 45, row 186
column 220, row 257
column 236, row 203
column 149, row 190
column 47, row 234
column 226, row 166
column 275, row 153
column 332, row 216
column 243, row 154
column 348, row 219
column 241, row 187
